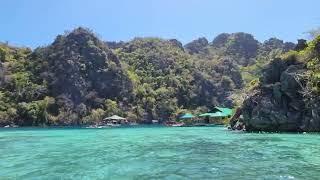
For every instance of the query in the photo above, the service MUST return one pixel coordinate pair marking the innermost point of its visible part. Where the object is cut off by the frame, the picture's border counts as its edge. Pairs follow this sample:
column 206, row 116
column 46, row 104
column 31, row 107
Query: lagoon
column 156, row 153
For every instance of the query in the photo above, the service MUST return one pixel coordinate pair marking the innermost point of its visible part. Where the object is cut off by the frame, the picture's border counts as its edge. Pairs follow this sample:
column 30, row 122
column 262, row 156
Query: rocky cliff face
column 284, row 100
column 79, row 63
column 79, row 79
column 197, row 46
column 81, row 72
column 241, row 46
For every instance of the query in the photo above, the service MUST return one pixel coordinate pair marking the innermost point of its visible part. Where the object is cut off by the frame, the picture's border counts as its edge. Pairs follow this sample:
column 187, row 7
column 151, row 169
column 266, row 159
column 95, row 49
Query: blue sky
column 36, row 22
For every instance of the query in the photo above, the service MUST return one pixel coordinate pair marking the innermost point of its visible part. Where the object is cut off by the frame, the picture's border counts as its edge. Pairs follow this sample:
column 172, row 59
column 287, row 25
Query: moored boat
column 174, row 124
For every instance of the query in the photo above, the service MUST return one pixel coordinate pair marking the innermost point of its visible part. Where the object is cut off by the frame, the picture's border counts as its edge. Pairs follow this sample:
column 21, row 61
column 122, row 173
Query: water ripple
column 157, row 153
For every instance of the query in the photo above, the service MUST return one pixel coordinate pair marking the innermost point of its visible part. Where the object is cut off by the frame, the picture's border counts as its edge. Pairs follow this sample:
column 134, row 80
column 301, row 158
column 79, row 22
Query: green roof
column 225, row 111
column 222, row 112
column 205, row 114
column 218, row 114
column 187, row 116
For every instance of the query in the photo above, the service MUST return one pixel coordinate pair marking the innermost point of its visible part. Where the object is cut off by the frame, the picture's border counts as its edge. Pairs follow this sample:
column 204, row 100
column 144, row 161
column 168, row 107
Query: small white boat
column 174, row 124
column 177, row 125
column 113, row 125
column 92, row 126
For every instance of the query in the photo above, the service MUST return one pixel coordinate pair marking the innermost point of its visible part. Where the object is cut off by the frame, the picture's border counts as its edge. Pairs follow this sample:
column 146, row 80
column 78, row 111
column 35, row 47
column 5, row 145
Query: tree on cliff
column 78, row 78
column 287, row 97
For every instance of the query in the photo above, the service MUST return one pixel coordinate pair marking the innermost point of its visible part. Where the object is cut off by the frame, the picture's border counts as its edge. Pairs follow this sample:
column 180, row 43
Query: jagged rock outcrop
column 245, row 50
column 302, row 44
column 78, row 66
column 114, row 44
column 274, row 43
column 79, row 79
column 176, row 43
column 242, row 45
column 282, row 101
column 197, row 46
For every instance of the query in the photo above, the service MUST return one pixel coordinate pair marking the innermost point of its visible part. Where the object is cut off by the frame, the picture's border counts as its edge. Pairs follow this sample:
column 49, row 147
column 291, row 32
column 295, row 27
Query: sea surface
column 156, row 153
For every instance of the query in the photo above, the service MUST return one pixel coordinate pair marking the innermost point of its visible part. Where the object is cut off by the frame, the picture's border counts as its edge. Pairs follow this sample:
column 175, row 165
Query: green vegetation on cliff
column 79, row 79
column 287, row 95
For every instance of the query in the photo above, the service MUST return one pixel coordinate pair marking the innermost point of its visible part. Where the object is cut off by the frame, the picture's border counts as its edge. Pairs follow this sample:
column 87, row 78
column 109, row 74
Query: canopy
column 114, row 117
column 187, row 116
column 225, row 111
column 205, row 114
column 220, row 112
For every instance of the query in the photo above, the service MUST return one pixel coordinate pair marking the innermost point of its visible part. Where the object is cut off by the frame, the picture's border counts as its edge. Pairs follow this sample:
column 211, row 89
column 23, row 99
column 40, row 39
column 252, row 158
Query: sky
column 36, row 23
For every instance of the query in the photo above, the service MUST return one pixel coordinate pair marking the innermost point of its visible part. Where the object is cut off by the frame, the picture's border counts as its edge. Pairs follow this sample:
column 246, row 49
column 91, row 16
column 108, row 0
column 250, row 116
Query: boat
column 96, row 126
column 91, row 127
column 113, row 125
column 11, row 126
column 99, row 127
column 177, row 125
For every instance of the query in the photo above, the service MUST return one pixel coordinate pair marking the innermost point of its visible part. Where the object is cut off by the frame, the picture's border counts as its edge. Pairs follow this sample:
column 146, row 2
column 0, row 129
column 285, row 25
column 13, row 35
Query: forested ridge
column 80, row 79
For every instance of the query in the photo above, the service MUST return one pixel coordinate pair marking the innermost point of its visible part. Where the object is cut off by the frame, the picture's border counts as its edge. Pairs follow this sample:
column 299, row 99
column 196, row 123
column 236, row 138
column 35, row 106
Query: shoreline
column 150, row 126
column 103, row 127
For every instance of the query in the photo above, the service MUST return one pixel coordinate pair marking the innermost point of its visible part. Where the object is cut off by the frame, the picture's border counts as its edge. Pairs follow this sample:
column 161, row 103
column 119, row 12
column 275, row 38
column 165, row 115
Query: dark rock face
column 243, row 44
column 302, row 44
column 220, row 40
column 197, row 46
column 240, row 45
column 226, row 67
column 115, row 45
column 290, row 85
column 176, row 43
column 270, row 111
column 274, row 43
column 273, row 72
column 278, row 103
column 289, row 46
column 79, row 64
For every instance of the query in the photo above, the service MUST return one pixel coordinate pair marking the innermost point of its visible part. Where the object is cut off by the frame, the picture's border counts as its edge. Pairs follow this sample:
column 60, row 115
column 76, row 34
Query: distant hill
column 79, row 79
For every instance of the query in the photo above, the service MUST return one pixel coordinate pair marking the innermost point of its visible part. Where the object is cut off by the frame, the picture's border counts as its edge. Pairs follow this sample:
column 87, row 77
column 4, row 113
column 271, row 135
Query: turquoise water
column 157, row 153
